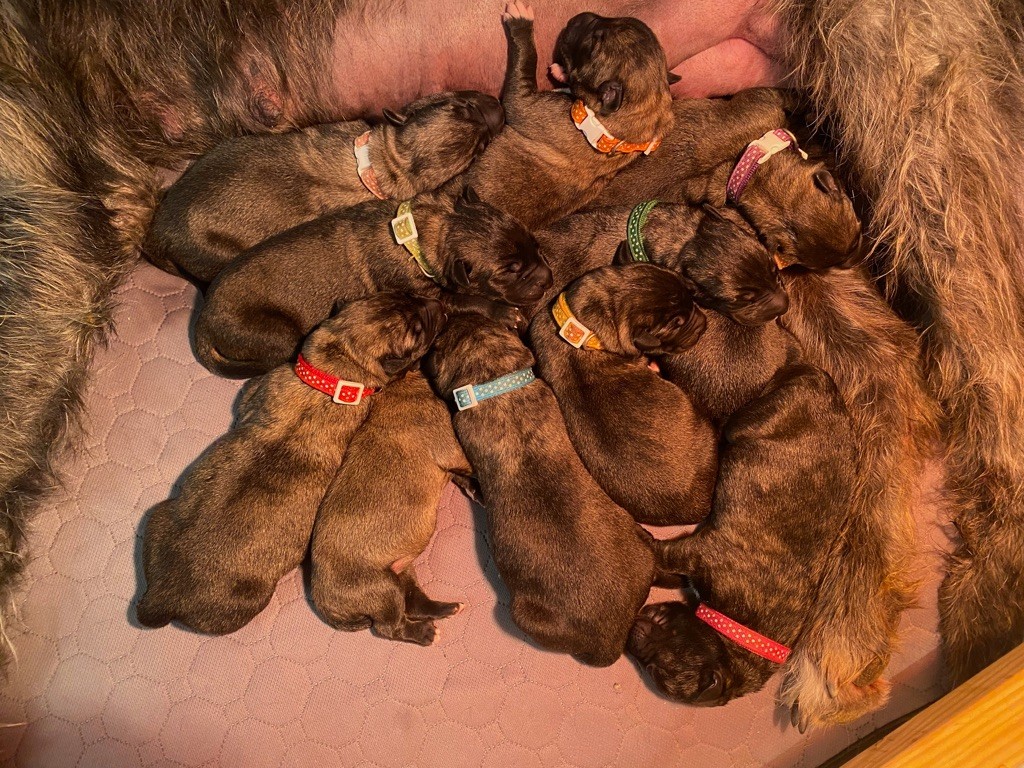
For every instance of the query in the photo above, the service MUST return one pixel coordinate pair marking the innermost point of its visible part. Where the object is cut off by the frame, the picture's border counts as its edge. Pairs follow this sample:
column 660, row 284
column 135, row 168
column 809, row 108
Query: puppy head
column 637, row 309
column 805, row 216
column 618, row 68
column 687, row 660
column 731, row 271
column 437, row 137
column 490, row 254
column 384, row 335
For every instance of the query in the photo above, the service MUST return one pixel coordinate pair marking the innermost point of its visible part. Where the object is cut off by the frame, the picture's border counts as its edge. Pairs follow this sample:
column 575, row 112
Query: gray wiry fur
column 926, row 97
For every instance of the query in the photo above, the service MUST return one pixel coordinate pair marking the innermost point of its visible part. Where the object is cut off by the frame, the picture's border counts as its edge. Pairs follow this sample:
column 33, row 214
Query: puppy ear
column 611, row 96
column 460, row 272
column 622, row 254
column 712, row 687
column 646, row 342
column 336, row 307
column 393, row 366
column 395, row 118
column 824, row 181
column 469, row 195
column 712, row 211
column 673, row 78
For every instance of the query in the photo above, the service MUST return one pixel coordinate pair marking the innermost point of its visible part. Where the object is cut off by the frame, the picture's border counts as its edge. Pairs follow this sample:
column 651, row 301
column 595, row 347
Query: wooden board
column 978, row 725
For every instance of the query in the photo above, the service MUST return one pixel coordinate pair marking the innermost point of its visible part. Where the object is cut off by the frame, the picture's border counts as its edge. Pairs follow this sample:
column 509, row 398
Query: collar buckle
column 359, row 389
column 465, row 397
column 404, row 227
column 575, row 332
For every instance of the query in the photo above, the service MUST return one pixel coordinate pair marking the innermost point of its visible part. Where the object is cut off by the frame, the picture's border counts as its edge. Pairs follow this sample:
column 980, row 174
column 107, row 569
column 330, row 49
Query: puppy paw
column 517, row 11
column 558, row 74
column 418, row 632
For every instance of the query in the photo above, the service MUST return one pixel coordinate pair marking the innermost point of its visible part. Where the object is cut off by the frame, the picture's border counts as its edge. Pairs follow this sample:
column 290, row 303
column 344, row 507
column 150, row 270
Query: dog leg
column 521, row 69
column 419, row 607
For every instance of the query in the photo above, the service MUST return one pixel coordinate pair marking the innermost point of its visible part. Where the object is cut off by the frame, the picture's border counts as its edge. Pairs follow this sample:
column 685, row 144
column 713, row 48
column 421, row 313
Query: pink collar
column 754, row 156
column 364, row 167
column 341, row 391
column 746, row 638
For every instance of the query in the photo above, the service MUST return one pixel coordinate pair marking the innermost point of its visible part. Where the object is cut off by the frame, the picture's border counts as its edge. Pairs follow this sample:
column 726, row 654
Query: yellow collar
column 571, row 329
column 404, row 227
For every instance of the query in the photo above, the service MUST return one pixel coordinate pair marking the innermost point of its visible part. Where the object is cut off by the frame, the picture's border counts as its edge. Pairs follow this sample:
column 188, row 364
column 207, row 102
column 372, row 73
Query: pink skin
column 717, row 46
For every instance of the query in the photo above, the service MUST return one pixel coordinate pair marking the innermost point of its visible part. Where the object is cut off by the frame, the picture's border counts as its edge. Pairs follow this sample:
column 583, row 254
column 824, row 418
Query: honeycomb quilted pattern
column 93, row 689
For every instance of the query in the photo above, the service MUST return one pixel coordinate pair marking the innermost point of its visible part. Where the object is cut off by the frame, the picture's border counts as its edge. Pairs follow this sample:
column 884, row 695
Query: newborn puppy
column 636, row 433
column 786, row 471
column 262, row 305
column 379, row 514
column 716, row 252
column 577, row 566
column 794, row 203
column 249, row 188
column 213, row 555
column 543, row 166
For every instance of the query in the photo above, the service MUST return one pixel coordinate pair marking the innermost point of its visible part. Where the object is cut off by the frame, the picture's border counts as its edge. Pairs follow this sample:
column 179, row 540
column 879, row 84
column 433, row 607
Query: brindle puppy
column 379, row 514
column 715, row 251
column 542, row 167
column 796, row 205
column 784, row 491
column 261, row 306
column 636, row 433
column 248, row 189
column 213, row 555
column 577, row 566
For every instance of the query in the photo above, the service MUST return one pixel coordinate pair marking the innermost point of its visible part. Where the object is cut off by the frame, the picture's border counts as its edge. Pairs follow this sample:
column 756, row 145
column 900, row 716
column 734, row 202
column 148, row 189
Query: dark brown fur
column 714, row 250
column 541, row 167
column 796, row 205
column 783, row 495
column 636, row 433
column 248, row 189
column 379, row 514
column 577, row 566
column 213, row 555
column 261, row 306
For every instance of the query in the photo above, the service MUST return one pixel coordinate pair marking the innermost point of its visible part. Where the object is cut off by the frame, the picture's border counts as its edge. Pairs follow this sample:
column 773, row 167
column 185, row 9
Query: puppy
column 577, row 566
column 379, row 514
column 543, row 166
column 260, row 307
column 636, row 433
column 784, row 490
column 249, row 188
column 794, row 203
column 715, row 251
column 213, row 555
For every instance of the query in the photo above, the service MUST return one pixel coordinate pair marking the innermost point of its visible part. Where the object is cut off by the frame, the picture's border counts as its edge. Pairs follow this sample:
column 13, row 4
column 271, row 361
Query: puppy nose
column 542, row 276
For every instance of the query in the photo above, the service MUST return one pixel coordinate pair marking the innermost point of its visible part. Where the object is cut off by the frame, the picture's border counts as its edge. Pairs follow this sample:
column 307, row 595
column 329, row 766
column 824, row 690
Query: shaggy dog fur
column 923, row 98
column 941, row 164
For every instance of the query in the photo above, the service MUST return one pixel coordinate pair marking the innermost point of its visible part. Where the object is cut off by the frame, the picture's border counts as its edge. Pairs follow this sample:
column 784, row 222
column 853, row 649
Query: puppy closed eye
column 514, row 267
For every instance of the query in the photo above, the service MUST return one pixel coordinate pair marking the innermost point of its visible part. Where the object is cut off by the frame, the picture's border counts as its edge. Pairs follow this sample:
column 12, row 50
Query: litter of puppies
column 649, row 252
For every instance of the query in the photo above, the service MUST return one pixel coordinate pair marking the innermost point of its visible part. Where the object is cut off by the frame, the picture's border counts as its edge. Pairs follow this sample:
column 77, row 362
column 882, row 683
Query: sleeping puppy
column 715, row 251
column 786, row 472
column 636, row 433
column 560, row 149
column 794, row 202
column 577, row 566
column 261, row 306
column 213, row 555
column 250, row 188
column 379, row 514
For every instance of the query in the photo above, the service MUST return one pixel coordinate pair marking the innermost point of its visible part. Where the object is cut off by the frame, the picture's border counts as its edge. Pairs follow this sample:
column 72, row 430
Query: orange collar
column 586, row 121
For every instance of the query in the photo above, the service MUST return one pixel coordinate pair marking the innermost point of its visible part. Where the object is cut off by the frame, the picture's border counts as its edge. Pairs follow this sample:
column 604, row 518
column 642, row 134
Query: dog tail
column 847, row 329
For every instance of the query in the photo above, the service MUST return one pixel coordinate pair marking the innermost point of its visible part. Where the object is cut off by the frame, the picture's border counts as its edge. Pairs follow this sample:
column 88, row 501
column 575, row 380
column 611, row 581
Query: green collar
column 635, row 230
column 404, row 227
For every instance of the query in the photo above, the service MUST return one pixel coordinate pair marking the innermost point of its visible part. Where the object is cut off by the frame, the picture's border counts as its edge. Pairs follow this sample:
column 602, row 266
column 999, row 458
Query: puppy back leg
column 418, row 606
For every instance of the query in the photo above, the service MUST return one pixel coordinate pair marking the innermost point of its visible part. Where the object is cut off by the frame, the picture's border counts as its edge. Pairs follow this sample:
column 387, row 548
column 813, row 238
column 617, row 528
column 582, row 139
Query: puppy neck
column 388, row 165
column 330, row 352
column 669, row 227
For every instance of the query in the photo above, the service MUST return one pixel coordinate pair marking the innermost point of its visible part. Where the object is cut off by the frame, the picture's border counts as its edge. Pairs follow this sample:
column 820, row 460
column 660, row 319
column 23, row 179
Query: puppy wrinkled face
column 492, row 255
column 821, row 228
column 441, row 134
column 599, row 55
column 684, row 657
column 661, row 315
column 387, row 333
column 732, row 271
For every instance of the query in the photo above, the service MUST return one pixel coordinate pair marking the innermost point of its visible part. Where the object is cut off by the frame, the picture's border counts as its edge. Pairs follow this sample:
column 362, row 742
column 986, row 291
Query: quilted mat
column 91, row 688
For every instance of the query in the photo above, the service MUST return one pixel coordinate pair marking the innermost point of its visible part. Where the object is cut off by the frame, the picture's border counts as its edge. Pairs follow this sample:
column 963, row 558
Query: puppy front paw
column 517, row 14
